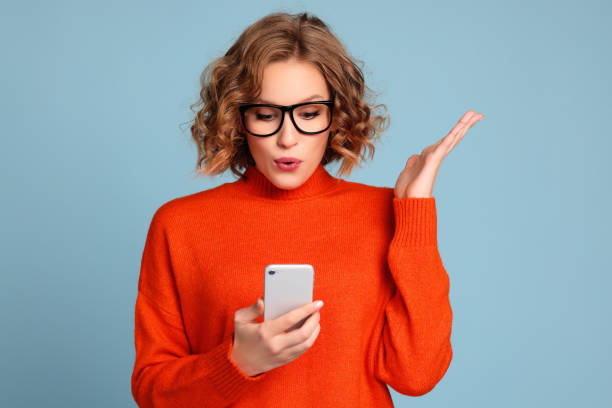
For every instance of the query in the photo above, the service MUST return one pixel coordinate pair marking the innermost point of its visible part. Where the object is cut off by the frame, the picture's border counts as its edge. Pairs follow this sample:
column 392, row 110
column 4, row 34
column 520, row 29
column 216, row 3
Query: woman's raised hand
column 418, row 177
column 260, row 347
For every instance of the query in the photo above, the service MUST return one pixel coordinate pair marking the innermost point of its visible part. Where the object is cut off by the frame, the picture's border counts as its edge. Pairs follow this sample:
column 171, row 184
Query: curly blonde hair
column 236, row 78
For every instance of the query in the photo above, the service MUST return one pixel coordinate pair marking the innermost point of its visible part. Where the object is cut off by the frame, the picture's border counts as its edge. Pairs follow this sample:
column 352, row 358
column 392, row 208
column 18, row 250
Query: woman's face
column 287, row 83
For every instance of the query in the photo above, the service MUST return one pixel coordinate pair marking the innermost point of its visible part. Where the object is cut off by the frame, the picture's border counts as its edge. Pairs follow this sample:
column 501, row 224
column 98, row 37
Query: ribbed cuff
column 415, row 221
column 227, row 377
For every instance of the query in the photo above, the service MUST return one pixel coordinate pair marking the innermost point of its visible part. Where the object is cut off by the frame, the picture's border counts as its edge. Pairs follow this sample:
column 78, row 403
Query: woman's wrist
column 241, row 365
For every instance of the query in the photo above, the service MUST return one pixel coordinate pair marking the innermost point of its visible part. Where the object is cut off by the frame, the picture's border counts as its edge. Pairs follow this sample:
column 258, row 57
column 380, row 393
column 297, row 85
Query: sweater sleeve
column 414, row 349
column 166, row 373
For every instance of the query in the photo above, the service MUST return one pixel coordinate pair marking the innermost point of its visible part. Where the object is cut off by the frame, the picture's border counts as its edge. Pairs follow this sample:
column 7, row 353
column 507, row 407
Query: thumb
column 252, row 312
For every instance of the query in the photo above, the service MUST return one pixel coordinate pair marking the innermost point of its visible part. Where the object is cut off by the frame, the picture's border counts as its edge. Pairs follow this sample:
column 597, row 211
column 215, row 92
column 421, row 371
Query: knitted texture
column 386, row 320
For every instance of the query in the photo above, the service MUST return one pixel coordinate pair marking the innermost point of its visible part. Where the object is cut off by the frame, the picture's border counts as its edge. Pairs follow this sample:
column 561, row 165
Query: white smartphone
column 286, row 287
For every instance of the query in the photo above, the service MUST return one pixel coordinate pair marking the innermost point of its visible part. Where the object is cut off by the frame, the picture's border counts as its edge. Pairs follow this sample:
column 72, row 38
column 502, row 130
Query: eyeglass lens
column 263, row 120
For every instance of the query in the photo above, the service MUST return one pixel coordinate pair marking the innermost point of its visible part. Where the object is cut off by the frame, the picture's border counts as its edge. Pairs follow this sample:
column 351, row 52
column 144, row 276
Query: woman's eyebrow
column 310, row 98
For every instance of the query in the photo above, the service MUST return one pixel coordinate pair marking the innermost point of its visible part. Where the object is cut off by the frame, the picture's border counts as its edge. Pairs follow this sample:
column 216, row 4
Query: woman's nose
column 288, row 133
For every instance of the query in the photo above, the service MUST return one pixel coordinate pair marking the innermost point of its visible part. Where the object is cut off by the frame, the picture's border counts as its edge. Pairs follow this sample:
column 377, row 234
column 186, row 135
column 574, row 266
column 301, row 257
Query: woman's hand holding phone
column 260, row 347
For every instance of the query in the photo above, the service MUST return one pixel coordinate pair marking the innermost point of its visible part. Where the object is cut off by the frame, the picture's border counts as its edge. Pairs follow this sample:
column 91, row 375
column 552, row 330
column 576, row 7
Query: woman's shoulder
column 367, row 190
column 192, row 204
column 367, row 197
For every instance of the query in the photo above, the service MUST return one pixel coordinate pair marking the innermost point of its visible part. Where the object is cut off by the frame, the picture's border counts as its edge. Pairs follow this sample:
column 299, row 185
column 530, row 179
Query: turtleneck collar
column 319, row 182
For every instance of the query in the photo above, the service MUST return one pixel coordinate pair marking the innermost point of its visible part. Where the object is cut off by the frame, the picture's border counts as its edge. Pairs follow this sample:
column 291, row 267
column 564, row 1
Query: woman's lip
column 288, row 160
column 287, row 167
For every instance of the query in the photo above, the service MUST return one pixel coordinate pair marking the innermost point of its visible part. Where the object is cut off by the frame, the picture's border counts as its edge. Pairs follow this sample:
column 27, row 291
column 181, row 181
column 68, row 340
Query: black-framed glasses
column 262, row 119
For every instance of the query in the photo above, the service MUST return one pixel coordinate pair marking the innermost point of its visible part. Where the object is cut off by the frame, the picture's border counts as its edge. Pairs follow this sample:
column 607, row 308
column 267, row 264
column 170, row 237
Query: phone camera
column 271, row 272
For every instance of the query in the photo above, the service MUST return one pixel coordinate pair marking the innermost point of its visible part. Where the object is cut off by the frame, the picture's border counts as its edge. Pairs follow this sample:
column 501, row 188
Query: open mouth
column 285, row 164
column 288, row 161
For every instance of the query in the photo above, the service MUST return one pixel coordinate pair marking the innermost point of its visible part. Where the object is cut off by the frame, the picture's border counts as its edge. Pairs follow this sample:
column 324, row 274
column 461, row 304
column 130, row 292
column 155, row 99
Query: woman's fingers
column 458, row 131
column 443, row 146
column 299, row 347
column 463, row 130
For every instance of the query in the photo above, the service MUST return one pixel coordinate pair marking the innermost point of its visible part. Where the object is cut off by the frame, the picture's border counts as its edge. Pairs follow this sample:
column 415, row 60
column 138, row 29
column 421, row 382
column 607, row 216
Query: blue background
column 92, row 99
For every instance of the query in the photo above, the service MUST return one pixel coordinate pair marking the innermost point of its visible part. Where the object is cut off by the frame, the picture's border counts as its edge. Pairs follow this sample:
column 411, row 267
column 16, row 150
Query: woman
column 287, row 91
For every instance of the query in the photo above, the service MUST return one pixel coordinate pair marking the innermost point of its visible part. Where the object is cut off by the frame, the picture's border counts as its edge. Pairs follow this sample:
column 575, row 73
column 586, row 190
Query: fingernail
column 318, row 304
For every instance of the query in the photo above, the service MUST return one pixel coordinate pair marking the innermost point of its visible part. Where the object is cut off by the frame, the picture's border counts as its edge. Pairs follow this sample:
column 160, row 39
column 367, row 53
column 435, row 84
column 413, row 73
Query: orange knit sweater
column 387, row 316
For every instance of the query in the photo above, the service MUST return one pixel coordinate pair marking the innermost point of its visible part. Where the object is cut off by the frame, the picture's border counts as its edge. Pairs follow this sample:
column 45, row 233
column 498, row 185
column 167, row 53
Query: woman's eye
column 260, row 116
column 310, row 115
